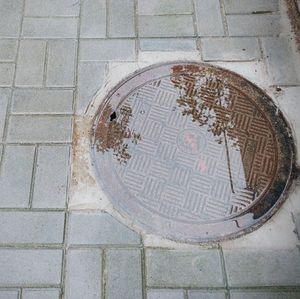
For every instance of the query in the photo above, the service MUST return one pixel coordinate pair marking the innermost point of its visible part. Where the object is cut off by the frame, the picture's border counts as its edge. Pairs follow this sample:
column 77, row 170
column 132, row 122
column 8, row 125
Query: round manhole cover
column 192, row 152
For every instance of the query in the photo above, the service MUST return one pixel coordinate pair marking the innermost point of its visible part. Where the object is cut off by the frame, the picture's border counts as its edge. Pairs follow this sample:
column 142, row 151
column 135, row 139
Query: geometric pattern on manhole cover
column 191, row 152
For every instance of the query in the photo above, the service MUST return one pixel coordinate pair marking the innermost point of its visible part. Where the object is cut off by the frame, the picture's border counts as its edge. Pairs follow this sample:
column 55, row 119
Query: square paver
column 168, row 44
column 9, row 294
column 7, row 71
column 40, row 294
column 252, row 6
column 161, row 7
column 8, row 49
column 165, row 294
column 206, row 294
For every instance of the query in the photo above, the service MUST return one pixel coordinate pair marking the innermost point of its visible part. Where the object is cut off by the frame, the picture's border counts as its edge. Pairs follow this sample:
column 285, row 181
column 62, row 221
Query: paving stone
column 40, row 294
column 160, row 7
column 31, row 227
column 263, row 267
column 182, row 268
column 107, row 50
column 30, row 65
column 10, row 18
column 6, row 74
column 30, row 267
column 121, row 21
column 39, row 128
column 42, row 101
column 165, row 294
column 99, row 229
column 230, row 49
column 246, row 6
column 61, row 63
column 9, row 294
column 15, row 177
column 45, row 8
column 124, row 277
column 167, row 44
column 253, row 25
column 8, row 49
column 83, row 276
column 50, row 27
column 209, row 18
column 4, row 97
column 281, row 62
column 93, row 18
column 166, row 26
column 90, row 79
column 206, row 295
column 51, row 179
column 236, row 294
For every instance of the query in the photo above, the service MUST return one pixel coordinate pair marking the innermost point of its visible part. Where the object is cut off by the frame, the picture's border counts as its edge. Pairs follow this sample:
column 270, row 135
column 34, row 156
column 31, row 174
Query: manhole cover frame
column 261, row 211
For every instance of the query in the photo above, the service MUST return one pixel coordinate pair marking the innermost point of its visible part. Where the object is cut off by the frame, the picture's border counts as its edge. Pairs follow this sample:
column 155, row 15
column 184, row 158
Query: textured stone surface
column 167, row 44
column 252, row 6
column 9, row 294
column 6, row 74
column 160, row 7
column 4, row 97
column 165, row 294
column 264, row 295
column 40, row 294
column 8, row 49
column 206, row 295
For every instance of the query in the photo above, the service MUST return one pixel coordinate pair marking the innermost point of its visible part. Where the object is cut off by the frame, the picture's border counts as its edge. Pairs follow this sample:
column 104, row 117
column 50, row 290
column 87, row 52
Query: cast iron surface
column 192, row 152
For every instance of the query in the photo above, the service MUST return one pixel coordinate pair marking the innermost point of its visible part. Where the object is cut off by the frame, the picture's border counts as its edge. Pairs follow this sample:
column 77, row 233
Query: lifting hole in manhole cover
column 192, row 152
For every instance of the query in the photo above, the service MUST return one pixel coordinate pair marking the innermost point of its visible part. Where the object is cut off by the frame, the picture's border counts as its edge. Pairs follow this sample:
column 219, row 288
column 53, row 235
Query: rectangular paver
column 182, row 268
column 45, row 8
column 250, row 6
column 51, row 177
column 8, row 49
column 9, row 294
column 83, row 274
column 40, row 101
column 40, row 294
column 15, row 178
column 206, row 294
column 107, row 50
column 30, row 267
column 4, row 98
column 124, row 277
column 165, row 294
column 93, row 18
column 30, row 64
column 168, row 44
column 264, row 295
column 31, row 227
column 26, row 128
column 209, row 18
column 61, row 63
column 230, row 49
column 160, row 7
column 6, row 74
column 263, row 267
column 99, row 228
column 166, row 26
column 50, row 27
column 253, row 25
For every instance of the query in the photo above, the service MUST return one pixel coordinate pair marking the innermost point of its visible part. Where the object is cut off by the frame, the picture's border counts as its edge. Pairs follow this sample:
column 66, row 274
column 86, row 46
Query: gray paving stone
column 209, row 18
column 8, row 49
column 40, row 294
column 263, row 267
column 182, row 268
column 15, row 176
column 107, row 50
column 42, row 101
column 165, row 294
column 44, row 8
column 90, row 79
column 121, row 21
column 206, row 295
column 51, row 178
column 99, row 229
column 263, row 295
column 160, row 7
column 230, row 49
column 83, row 275
column 93, row 18
column 61, row 63
column 166, row 26
column 39, row 128
column 10, row 18
column 168, row 44
column 124, row 277
column 9, row 294
column 50, row 27
column 281, row 62
column 253, row 25
column 4, row 97
column 30, row 267
column 31, row 227
column 6, row 73
column 246, row 6
column 30, row 64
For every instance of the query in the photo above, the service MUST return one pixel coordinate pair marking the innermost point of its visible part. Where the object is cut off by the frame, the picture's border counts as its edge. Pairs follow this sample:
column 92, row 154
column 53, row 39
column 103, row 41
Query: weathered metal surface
column 192, row 152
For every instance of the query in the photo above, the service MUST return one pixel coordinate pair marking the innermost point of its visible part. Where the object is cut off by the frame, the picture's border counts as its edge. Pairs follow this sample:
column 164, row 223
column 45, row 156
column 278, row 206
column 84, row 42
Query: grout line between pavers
column 107, row 16
column 194, row 17
column 103, row 275
column 46, row 63
column 143, row 271
column 224, row 272
column 34, row 168
column 224, row 18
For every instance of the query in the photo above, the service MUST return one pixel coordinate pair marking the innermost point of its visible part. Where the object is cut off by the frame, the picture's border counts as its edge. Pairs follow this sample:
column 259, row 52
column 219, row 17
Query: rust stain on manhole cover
column 192, row 152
